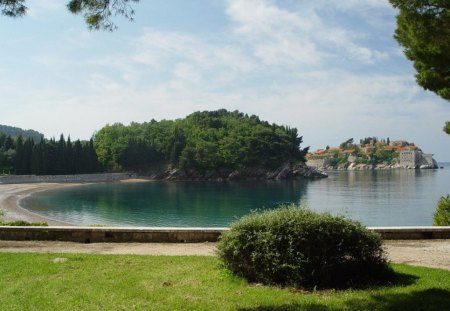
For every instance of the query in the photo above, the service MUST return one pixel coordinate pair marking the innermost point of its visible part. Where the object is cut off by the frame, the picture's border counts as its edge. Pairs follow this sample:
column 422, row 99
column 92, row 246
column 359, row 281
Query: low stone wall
column 178, row 235
column 80, row 178
column 412, row 233
column 103, row 234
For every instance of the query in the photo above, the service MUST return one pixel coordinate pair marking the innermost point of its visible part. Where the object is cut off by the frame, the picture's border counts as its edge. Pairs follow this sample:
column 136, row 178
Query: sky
column 332, row 69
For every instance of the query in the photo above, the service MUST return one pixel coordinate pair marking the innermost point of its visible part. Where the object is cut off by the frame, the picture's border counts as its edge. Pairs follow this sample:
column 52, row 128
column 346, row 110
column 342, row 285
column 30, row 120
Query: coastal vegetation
column 207, row 140
column 125, row 282
column 296, row 247
column 442, row 214
column 18, row 222
column 47, row 157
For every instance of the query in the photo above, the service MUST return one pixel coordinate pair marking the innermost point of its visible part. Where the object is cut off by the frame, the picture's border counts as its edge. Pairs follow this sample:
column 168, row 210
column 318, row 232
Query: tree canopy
column 97, row 13
column 447, row 127
column 47, row 157
column 208, row 140
column 423, row 29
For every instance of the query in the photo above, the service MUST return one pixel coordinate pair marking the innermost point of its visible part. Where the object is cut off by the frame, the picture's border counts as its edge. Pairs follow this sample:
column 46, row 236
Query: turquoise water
column 377, row 198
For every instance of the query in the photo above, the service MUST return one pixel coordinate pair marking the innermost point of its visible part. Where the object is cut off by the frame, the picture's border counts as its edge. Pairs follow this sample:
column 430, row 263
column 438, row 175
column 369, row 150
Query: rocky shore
column 284, row 172
column 370, row 167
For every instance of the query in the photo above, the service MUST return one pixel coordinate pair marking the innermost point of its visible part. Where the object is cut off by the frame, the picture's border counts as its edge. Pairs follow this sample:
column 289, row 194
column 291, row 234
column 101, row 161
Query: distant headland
column 371, row 153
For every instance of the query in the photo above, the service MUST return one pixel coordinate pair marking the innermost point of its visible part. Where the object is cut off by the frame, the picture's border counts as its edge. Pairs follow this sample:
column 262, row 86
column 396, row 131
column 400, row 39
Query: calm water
column 377, row 198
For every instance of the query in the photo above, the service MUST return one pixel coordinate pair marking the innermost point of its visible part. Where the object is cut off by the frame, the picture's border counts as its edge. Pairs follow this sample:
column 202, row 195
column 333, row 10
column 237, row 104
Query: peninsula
column 371, row 153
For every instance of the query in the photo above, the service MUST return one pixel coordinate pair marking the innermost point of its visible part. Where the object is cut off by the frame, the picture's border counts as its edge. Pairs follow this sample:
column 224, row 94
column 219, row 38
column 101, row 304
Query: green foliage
column 19, row 222
column 48, row 157
column 380, row 155
column 338, row 158
column 97, row 13
column 442, row 213
column 423, row 29
column 23, row 223
column 205, row 140
column 447, row 127
column 297, row 247
column 13, row 8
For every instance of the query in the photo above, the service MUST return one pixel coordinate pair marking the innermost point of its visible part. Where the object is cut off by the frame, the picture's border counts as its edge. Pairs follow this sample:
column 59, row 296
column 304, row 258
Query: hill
column 16, row 132
column 203, row 141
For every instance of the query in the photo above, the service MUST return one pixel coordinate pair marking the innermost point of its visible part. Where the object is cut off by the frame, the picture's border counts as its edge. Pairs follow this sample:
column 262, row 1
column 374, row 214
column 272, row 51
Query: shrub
column 24, row 223
column 294, row 246
column 19, row 222
column 442, row 213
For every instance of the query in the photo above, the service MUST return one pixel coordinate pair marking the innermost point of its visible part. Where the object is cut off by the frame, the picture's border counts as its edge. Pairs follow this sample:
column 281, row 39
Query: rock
column 286, row 171
column 308, row 172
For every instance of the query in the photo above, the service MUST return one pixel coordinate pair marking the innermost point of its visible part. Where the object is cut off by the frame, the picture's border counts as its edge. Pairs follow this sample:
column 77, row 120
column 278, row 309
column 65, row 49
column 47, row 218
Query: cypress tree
column 18, row 160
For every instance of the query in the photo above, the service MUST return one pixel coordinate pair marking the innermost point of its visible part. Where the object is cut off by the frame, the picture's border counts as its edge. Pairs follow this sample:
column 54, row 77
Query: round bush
column 442, row 213
column 294, row 246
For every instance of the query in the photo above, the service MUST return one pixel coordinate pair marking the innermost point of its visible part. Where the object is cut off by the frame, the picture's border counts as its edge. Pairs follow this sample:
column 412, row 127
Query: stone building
column 415, row 158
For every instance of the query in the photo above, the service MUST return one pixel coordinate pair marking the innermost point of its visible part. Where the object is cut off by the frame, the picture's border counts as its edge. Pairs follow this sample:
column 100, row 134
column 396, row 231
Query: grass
column 19, row 222
column 126, row 282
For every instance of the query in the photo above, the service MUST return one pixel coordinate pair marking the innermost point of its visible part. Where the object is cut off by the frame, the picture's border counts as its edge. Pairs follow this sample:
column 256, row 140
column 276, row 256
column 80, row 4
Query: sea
column 399, row 197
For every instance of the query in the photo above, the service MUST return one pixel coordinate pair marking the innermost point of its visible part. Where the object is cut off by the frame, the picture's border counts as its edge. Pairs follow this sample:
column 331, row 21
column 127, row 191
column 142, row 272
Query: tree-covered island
column 208, row 145
column 204, row 145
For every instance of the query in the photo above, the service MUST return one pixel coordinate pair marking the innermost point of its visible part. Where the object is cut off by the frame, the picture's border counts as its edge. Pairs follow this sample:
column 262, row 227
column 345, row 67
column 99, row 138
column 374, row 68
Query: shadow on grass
column 288, row 307
column 433, row 299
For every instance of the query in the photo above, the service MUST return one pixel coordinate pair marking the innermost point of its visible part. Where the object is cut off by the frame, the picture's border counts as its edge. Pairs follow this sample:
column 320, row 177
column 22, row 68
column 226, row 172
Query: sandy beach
column 10, row 194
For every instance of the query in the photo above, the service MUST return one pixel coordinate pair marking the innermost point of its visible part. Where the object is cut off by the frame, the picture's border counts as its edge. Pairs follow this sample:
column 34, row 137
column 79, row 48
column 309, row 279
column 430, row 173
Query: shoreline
column 11, row 194
column 15, row 188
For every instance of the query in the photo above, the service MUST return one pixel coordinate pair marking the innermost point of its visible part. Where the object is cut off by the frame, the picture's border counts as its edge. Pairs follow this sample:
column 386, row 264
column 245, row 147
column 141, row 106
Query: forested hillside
column 207, row 140
column 203, row 141
column 16, row 132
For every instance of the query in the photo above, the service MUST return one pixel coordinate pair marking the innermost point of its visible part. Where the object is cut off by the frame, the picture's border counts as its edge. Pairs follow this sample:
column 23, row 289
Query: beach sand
column 10, row 194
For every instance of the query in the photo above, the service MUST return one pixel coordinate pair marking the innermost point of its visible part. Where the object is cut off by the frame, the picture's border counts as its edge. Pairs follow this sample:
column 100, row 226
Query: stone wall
column 98, row 235
column 178, row 235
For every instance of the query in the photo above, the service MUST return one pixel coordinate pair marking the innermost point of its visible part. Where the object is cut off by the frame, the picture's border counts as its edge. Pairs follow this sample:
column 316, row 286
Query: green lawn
column 113, row 282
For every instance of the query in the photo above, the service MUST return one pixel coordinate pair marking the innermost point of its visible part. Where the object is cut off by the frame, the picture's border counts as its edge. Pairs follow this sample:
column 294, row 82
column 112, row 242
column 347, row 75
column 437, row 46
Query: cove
column 376, row 198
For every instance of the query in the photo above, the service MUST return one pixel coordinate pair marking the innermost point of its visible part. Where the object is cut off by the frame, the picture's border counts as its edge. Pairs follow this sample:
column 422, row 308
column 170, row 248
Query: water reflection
column 377, row 198
column 165, row 203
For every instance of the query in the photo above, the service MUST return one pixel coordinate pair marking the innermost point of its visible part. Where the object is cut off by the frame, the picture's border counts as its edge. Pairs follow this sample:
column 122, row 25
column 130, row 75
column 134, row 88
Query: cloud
column 318, row 65
column 296, row 38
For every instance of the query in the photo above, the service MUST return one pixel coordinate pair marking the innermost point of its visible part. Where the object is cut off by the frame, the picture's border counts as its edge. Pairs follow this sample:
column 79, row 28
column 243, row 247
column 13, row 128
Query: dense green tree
column 205, row 140
column 447, row 127
column 423, row 29
column 97, row 13
column 18, row 160
column 48, row 157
